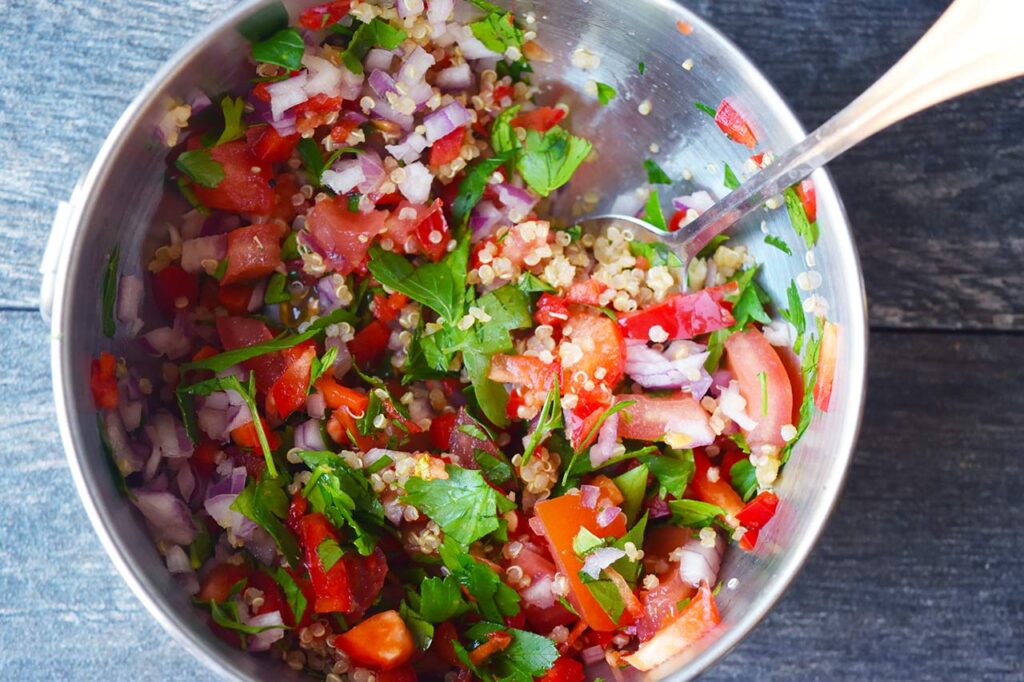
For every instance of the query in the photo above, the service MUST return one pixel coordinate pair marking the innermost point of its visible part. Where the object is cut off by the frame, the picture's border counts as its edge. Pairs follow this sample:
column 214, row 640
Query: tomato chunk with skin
column 381, row 641
column 562, row 518
column 565, row 669
column 541, row 119
column 734, row 125
column 602, row 359
column 652, row 419
column 448, row 148
column 268, row 146
column 369, row 343
column 697, row 619
column 242, row 190
column 218, row 582
column 661, row 604
column 682, row 316
column 330, row 585
column 343, row 237
column 253, row 253
column 543, row 612
column 289, row 391
column 103, row 381
column 174, row 289
column 433, row 233
column 749, row 357
column 717, row 492
column 241, row 332
column 826, row 366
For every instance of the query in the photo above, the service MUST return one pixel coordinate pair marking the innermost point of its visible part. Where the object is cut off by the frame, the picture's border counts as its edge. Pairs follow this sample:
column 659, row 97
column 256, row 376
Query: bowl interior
column 125, row 200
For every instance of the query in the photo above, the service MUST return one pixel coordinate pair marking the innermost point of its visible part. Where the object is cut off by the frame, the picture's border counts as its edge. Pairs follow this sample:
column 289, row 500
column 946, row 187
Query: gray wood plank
column 916, row 576
column 934, row 202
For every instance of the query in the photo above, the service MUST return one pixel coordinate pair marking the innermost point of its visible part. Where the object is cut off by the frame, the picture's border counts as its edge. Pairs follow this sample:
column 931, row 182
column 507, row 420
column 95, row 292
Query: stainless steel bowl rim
column 57, row 270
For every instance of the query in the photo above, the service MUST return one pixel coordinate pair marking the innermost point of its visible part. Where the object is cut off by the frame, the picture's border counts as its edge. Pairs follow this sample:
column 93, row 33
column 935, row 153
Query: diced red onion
column 238, row 416
column 127, row 460
column 733, row 405
column 343, row 360
column 445, row 120
column 394, row 511
column 439, row 10
column 378, row 58
column 129, row 298
column 191, row 224
column 373, row 171
column 220, row 498
column 419, row 93
column 780, row 334
column 484, row 218
column 324, row 77
column 416, row 185
column 669, row 369
column 592, row 654
column 537, row 526
column 152, row 465
column 589, row 495
column 382, row 109
column 628, row 203
column 262, row 641
column 409, row 8
column 470, row 45
column 168, row 436
column 257, row 295
column 327, row 292
column 177, row 561
column 409, row 149
column 286, row 94
column 517, row 200
column 199, row 101
column 168, row 517
column 607, row 437
column 698, row 563
column 186, row 480
column 131, row 413
column 170, row 341
column 344, row 176
column 455, row 77
column 539, row 593
column 195, row 251
column 658, row 508
column 601, row 558
column 381, row 82
column 606, row 516
column 308, row 436
column 414, row 67
column 315, row 405
column 699, row 201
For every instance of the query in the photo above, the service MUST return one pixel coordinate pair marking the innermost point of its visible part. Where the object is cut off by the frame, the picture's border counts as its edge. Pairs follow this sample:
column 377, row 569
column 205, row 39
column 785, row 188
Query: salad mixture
column 387, row 420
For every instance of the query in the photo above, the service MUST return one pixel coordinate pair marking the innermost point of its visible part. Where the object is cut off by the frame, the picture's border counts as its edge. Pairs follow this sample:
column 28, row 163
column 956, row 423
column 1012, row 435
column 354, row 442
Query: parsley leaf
column 809, row 368
column 795, row 315
column 586, row 542
column 749, row 303
column 486, row 6
column 709, row 250
column 606, row 594
column 716, row 345
column 641, row 67
column 706, row 109
column 694, row 513
column 201, row 168
column 233, row 127
column 330, row 553
column 529, row 655
column 284, row 48
column 549, row 419
column 321, row 365
column 377, row 33
column 110, row 292
column 472, row 188
column 441, row 599
column 633, row 486
column 804, row 227
column 344, row 496
column 548, row 160
column 463, row 505
column 628, row 569
column 276, row 291
column 315, row 162
column 652, row 212
column 529, row 283
column 497, row 32
column 779, row 244
column 730, row 180
column 292, row 592
column 185, row 395
column 655, row 174
column 656, row 253
column 496, row 468
column 503, row 137
column 439, row 286
column 226, row 615
column 265, row 502
column 605, row 93
column 743, row 477
column 571, row 468
column 492, row 598
column 673, row 471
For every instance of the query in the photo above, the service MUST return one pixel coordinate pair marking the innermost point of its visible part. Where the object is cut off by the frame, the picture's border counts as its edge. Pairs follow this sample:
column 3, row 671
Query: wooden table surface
column 918, row 575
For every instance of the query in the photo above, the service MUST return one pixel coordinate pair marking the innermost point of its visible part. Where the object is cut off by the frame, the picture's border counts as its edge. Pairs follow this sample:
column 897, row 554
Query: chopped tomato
column 650, row 419
column 284, row 192
column 610, row 495
column 204, row 457
column 562, row 518
column 523, row 239
column 342, row 428
column 241, row 332
column 540, row 119
column 330, row 585
column 343, row 237
column 206, row 351
column 599, row 369
column 246, row 184
column 404, row 673
column 253, row 253
column 447, row 149
column 827, row 354
column 235, row 297
column 717, row 492
column 698, row 618
column 809, row 199
column 175, row 290
column 289, row 391
column 683, row 27
column 316, row 111
column 661, row 604
column 587, row 292
column 734, row 125
column 682, row 316
column 531, row 377
column 366, row 576
column 324, row 15
column 218, row 582
column 540, row 608
column 501, row 92
column 676, row 221
column 382, row 641
column 369, row 343
column 760, row 373
column 759, row 511
column 386, row 308
column 103, row 382
column 273, row 600
column 551, row 310
column 433, row 233
column 441, row 428
column 268, row 146
column 246, row 436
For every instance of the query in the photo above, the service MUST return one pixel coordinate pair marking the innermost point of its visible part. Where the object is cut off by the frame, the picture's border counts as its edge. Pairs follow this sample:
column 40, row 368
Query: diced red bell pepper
column 551, row 310
column 246, row 184
column 253, row 252
column 241, row 332
column 103, row 382
column 734, row 125
column 366, row 575
column 369, row 343
column 342, row 428
column 565, row 669
column 403, row 673
column 717, row 492
column 587, row 292
column 218, row 582
column 433, row 233
column 260, row 92
column 676, row 221
column 541, row 119
column 338, row 397
column 447, row 149
column 324, row 15
column 236, row 297
column 331, row 586
column 381, row 641
column 562, row 518
column 175, row 290
column 809, row 199
column 827, row 356
column 682, row 316
column 273, row 600
column 289, row 391
column 296, row 510
column 386, row 307
column 268, row 146
column 759, row 511
column 441, row 428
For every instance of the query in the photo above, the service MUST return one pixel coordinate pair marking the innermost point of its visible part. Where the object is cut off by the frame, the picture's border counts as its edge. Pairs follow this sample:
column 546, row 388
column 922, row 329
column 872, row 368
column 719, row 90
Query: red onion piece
column 382, row 109
column 409, row 149
column 606, row 516
column 378, row 59
column 471, row 47
column 127, row 460
column 344, row 176
column 324, row 77
column 416, row 185
column 516, row 200
column 589, row 495
column 539, row 593
column 219, row 501
column 484, row 219
column 733, row 405
column 444, row 121
column 592, row 654
column 440, row 10
column 186, row 480
column 601, row 558
column 199, row 101
column 455, row 77
column 343, row 361
column 381, row 83
column 699, row 201
column 315, row 405
column 414, row 68
column 256, row 298
column 681, row 366
column 607, row 437
column 131, row 413
column 262, row 641
column 409, row 8
column 286, row 94
column 168, row 436
column 463, row 442
column 170, row 341
column 699, row 563
column 309, row 437
column 195, row 251
column 129, row 298
column 168, row 517
column 177, row 561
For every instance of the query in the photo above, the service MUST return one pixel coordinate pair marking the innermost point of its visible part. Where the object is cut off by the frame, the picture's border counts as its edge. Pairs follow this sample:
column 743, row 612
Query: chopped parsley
column 497, row 32
column 330, row 553
column 633, row 486
column 201, row 168
column 440, row 286
column 528, row 656
column 653, row 213
column 672, row 470
column 472, row 187
column 655, row 174
column 377, row 33
column 441, row 599
column 730, row 180
column 748, row 305
column 778, row 243
column 110, row 292
column 762, row 377
column 656, row 253
column 233, row 126
column 549, row 419
column 463, row 505
column 265, row 502
column 548, row 160
column 605, row 93
column 743, row 477
column 292, row 592
column 795, row 315
column 798, row 217
column 694, row 513
column 706, row 109
column 492, row 598
column 284, row 48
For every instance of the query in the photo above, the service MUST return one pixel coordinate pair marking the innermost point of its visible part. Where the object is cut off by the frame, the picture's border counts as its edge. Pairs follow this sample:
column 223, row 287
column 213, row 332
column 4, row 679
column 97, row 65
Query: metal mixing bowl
column 124, row 200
